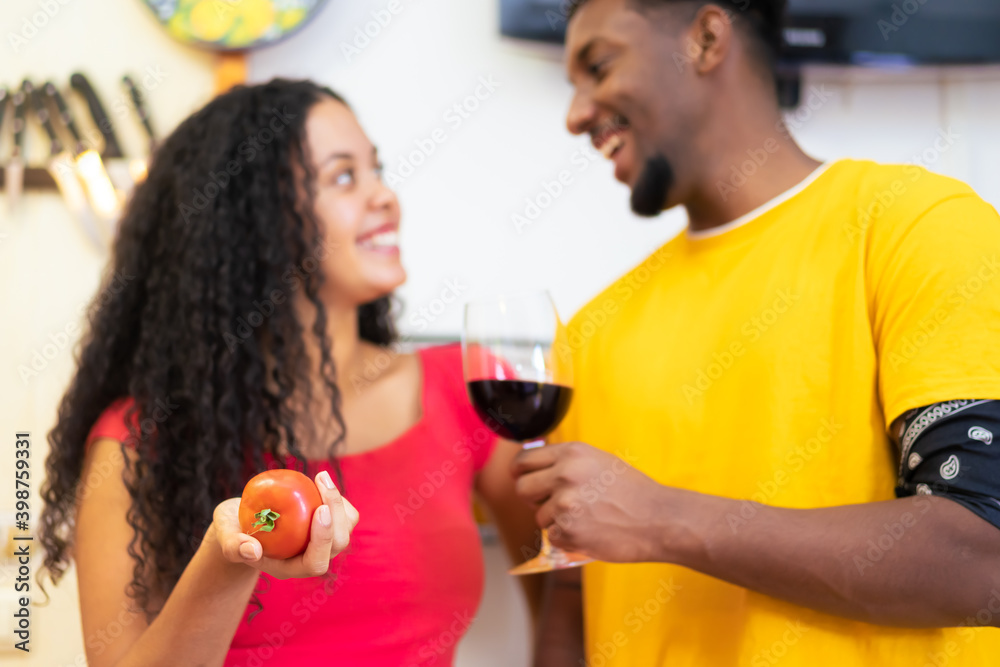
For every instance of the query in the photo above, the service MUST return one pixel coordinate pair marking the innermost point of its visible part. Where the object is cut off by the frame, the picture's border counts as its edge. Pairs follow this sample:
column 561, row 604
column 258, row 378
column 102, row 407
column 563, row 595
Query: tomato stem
column 265, row 521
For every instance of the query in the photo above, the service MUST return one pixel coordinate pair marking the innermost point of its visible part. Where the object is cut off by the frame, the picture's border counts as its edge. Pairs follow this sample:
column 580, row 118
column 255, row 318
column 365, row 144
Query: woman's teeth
column 609, row 147
column 381, row 240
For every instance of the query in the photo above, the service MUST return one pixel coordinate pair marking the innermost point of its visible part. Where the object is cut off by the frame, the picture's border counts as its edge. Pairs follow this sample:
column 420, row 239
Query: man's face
column 630, row 95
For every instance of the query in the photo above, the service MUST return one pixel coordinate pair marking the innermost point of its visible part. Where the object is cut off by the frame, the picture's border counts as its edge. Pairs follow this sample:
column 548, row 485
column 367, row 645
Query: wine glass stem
column 546, row 545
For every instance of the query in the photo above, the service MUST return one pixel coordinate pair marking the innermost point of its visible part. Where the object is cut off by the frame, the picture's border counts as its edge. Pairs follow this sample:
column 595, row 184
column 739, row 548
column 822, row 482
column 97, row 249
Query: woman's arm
column 514, row 518
column 199, row 618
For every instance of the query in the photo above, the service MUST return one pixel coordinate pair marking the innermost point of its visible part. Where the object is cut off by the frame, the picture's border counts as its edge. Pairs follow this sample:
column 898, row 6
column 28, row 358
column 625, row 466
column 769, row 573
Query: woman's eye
column 344, row 178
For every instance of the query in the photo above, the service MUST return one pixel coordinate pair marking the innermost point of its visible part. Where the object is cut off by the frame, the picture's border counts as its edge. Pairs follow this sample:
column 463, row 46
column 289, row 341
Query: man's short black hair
column 764, row 20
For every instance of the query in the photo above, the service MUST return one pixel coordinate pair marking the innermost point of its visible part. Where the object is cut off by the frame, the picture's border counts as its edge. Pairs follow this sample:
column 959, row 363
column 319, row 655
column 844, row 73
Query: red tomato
column 277, row 508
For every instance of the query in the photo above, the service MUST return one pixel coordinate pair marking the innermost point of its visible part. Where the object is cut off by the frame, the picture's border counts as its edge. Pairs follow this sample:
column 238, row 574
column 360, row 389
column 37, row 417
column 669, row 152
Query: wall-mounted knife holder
column 37, row 177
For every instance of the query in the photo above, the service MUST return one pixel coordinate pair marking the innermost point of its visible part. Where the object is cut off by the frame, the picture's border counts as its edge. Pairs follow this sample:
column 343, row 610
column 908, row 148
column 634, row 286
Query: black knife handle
column 20, row 100
column 79, row 83
column 4, row 95
column 140, row 106
column 64, row 115
column 42, row 113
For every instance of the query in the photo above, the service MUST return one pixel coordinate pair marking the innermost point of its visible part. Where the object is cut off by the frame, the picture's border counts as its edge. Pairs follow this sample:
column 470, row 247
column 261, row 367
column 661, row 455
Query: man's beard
column 649, row 195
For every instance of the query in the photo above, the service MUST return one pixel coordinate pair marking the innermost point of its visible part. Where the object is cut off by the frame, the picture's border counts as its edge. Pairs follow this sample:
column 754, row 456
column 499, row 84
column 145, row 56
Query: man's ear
column 712, row 32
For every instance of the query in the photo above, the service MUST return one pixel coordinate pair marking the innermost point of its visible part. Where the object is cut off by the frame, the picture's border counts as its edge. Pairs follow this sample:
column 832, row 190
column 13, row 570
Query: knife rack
column 35, row 178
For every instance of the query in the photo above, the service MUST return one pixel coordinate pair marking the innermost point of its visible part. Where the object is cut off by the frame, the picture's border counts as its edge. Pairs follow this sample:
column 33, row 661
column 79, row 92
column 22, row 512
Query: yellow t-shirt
column 765, row 362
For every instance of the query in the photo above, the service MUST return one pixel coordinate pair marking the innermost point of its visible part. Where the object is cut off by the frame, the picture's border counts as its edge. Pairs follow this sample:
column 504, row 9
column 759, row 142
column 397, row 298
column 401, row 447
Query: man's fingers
column 545, row 517
column 530, row 460
column 535, row 487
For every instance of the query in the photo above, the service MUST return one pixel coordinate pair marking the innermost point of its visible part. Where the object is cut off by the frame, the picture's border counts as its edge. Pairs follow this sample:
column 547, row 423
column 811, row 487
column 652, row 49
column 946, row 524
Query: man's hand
column 592, row 502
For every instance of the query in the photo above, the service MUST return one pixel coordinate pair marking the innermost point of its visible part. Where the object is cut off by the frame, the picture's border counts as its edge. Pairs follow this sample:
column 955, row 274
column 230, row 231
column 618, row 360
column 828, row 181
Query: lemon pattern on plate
column 233, row 24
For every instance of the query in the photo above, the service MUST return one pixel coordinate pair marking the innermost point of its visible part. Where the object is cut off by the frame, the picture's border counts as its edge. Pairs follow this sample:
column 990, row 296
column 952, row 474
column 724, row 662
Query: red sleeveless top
column 408, row 586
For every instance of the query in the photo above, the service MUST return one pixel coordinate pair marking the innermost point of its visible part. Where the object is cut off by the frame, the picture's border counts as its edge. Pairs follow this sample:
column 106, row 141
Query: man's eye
column 597, row 69
column 379, row 170
column 344, row 178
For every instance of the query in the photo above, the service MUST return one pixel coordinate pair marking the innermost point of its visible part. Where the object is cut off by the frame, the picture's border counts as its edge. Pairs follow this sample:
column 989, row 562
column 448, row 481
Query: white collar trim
column 700, row 234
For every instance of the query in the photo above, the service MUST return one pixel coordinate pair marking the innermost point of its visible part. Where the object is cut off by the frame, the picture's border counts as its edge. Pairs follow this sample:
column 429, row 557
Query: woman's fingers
column 330, row 533
column 352, row 513
column 237, row 547
column 343, row 515
column 331, row 528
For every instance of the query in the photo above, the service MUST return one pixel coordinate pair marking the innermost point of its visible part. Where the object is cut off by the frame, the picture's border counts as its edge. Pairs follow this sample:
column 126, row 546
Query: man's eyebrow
column 583, row 54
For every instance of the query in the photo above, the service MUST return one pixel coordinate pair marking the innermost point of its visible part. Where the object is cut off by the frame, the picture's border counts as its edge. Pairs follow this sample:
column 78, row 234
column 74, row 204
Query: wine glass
column 519, row 384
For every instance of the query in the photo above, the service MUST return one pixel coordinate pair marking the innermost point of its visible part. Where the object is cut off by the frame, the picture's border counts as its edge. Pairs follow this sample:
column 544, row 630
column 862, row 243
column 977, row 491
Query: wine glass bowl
column 519, row 383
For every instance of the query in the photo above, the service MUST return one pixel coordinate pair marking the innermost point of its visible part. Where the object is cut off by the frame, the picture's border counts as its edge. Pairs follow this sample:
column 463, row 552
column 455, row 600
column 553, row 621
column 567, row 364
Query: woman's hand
column 330, row 533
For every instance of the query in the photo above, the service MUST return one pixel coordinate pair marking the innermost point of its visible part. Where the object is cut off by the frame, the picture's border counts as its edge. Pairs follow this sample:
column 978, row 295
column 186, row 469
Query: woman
column 253, row 331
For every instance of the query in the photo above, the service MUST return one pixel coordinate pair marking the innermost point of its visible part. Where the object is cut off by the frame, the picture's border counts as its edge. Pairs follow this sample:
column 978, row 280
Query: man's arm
column 913, row 562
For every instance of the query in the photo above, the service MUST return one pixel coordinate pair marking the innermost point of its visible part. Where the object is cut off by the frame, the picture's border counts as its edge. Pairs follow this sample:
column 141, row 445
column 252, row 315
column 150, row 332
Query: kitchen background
column 484, row 210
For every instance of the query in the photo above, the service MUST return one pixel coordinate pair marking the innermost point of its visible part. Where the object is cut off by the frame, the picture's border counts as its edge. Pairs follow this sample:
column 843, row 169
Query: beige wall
column 48, row 271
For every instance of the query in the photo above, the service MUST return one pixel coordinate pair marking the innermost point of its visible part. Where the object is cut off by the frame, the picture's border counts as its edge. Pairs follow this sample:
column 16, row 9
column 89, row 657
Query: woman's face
column 357, row 213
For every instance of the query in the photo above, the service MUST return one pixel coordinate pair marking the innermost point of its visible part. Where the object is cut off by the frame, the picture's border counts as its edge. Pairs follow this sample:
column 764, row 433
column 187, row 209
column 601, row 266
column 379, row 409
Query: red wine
column 519, row 410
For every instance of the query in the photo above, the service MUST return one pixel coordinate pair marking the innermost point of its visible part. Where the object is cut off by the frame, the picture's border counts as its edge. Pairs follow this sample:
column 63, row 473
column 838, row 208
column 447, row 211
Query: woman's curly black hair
column 182, row 327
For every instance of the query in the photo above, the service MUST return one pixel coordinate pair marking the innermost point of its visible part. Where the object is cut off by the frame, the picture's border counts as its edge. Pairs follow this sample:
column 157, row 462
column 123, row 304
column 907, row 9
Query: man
column 803, row 384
